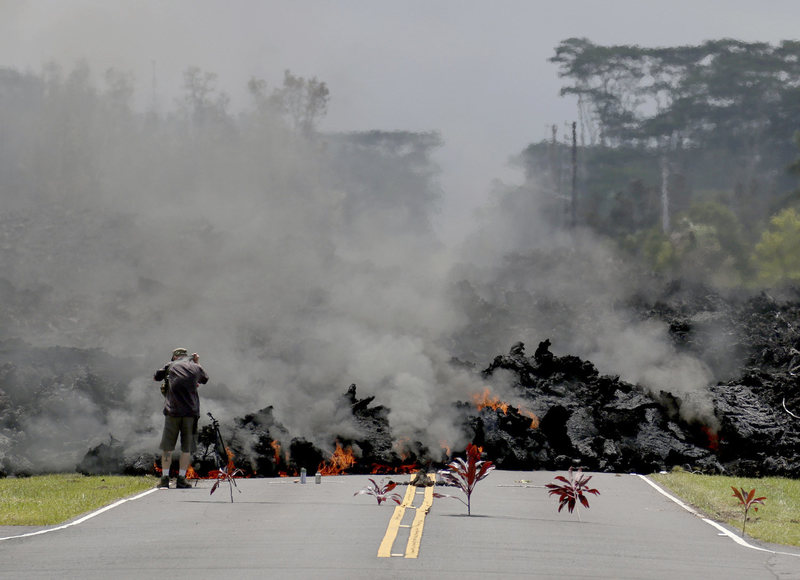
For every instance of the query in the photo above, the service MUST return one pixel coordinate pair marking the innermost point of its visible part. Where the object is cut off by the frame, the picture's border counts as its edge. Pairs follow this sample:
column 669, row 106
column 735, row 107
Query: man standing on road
column 183, row 375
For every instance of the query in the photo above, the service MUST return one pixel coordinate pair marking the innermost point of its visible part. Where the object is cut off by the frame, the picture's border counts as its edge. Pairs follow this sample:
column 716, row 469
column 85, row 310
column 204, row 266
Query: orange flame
column 230, row 459
column 276, row 451
column 400, row 446
column 485, row 399
column 215, row 473
column 530, row 415
column 340, row 460
column 713, row 438
column 383, row 469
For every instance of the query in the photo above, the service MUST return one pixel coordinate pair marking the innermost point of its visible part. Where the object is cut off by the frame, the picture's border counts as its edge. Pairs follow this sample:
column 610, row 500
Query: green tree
column 203, row 104
column 654, row 248
column 303, row 101
column 777, row 254
column 696, row 94
column 680, row 121
column 721, row 246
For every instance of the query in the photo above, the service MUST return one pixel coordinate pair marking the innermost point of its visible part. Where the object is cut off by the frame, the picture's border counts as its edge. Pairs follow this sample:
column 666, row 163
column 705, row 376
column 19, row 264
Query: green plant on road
column 572, row 491
column 747, row 500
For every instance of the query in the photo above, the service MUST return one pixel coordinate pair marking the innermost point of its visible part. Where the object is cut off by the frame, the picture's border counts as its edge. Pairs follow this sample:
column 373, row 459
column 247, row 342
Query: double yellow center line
column 414, row 528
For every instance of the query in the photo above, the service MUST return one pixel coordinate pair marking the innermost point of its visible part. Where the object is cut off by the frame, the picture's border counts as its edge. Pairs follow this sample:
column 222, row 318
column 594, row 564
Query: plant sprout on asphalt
column 572, row 491
column 381, row 492
column 223, row 475
column 466, row 474
column 748, row 500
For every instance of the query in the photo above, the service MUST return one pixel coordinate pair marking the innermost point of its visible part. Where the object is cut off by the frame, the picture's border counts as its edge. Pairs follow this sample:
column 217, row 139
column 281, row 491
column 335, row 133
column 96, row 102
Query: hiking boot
column 181, row 483
column 164, row 482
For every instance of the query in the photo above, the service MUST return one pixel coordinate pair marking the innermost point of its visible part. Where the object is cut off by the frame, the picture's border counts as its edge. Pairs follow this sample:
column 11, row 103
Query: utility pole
column 665, row 225
column 574, row 197
column 555, row 160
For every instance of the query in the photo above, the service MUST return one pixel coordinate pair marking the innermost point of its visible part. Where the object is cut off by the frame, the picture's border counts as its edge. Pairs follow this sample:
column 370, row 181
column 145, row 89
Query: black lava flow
column 586, row 419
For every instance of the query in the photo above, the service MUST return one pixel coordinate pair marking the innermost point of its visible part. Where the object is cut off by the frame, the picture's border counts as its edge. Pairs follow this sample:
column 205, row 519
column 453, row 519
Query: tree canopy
column 692, row 95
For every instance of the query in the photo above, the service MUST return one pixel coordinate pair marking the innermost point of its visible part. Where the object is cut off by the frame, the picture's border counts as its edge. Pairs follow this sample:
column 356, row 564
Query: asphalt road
column 277, row 528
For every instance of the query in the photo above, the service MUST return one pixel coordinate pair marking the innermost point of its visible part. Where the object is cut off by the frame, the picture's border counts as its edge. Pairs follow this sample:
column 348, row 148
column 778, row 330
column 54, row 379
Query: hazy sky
column 475, row 71
column 329, row 301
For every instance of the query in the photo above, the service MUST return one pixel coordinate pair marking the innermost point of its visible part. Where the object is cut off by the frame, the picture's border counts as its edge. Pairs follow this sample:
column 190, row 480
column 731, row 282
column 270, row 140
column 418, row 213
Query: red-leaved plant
column 466, row 474
column 748, row 500
column 381, row 492
column 572, row 491
column 229, row 474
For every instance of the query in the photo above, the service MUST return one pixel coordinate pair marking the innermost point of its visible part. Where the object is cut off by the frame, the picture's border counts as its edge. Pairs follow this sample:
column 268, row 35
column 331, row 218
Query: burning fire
column 191, row 473
column 276, row 451
column 713, row 438
column 230, row 468
column 485, row 399
column 341, row 459
column 400, row 446
column 382, row 469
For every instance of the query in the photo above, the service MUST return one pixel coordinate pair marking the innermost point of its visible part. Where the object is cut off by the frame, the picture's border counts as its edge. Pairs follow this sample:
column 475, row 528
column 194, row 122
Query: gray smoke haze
column 295, row 266
column 545, row 280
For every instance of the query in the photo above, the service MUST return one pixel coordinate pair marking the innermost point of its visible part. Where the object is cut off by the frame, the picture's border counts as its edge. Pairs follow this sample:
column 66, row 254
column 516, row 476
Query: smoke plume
column 295, row 264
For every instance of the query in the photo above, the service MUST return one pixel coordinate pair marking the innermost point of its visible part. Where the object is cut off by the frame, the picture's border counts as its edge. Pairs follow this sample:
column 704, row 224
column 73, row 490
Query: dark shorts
column 186, row 426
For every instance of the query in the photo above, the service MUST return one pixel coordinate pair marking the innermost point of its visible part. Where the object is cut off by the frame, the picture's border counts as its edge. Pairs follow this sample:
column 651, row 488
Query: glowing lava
column 485, row 399
column 341, row 460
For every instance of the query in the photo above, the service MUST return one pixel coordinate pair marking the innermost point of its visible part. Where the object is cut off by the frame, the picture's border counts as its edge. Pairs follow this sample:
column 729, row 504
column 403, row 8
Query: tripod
column 224, row 463
column 221, row 457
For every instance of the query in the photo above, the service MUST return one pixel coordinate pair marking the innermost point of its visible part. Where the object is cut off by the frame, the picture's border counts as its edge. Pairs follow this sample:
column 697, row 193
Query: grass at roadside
column 45, row 500
column 776, row 521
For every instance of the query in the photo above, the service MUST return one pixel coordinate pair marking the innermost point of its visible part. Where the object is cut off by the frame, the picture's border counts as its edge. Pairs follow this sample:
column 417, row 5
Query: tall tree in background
column 304, row 101
column 728, row 95
column 712, row 122
column 202, row 102
column 695, row 94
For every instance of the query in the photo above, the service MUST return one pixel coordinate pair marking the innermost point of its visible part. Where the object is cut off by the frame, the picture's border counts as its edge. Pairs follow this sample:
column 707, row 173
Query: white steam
column 295, row 266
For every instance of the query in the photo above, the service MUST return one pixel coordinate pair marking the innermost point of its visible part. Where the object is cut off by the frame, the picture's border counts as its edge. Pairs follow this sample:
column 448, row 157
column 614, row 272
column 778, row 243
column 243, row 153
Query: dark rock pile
column 605, row 424
column 585, row 419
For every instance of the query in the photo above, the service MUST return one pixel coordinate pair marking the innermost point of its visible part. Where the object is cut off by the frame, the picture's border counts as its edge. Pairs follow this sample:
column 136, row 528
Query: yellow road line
column 385, row 549
column 415, row 533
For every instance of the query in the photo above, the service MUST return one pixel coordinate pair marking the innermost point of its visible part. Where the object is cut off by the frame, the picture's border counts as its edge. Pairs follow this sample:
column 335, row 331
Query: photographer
column 182, row 376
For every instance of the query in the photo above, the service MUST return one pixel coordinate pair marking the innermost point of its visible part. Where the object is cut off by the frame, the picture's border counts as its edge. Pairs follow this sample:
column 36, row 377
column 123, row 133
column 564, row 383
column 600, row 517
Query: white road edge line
column 738, row 539
column 83, row 519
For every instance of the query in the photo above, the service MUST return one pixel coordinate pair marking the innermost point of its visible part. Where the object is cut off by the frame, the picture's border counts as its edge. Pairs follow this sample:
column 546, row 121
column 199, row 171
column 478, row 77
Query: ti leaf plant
column 466, row 473
column 747, row 500
column 381, row 492
column 229, row 474
column 572, row 491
